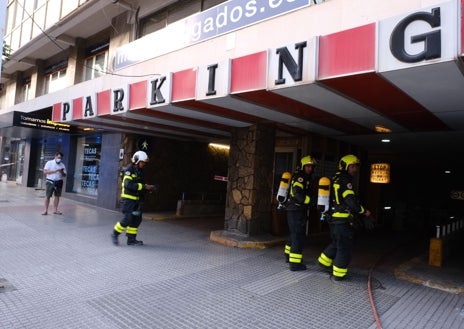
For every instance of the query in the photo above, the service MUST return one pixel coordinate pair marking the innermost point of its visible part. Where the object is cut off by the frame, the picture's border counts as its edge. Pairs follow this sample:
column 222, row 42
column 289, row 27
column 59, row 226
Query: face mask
column 57, row 160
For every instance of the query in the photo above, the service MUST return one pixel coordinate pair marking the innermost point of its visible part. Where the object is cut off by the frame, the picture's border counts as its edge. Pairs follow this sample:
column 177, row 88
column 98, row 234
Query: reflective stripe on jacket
column 132, row 183
column 299, row 191
column 345, row 201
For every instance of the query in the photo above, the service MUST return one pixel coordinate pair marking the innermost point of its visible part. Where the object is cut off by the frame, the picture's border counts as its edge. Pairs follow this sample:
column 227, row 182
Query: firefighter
column 344, row 207
column 133, row 188
column 297, row 212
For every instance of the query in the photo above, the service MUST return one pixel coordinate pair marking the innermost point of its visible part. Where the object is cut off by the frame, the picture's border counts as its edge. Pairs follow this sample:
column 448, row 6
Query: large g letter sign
column 432, row 40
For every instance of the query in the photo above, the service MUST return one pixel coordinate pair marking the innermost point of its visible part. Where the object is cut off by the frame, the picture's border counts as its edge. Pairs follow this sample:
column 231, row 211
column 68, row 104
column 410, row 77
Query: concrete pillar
column 249, row 190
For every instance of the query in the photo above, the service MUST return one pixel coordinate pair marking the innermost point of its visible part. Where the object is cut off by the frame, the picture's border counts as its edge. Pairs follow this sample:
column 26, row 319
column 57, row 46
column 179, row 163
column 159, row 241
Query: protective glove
column 151, row 188
column 369, row 222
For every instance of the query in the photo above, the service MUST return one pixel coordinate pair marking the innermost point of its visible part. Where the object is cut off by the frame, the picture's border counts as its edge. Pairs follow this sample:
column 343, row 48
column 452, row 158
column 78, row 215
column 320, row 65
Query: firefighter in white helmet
column 297, row 209
column 133, row 187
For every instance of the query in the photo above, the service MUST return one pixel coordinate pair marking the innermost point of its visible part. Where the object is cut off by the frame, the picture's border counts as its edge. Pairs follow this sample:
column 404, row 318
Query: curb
column 403, row 272
column 240, row 240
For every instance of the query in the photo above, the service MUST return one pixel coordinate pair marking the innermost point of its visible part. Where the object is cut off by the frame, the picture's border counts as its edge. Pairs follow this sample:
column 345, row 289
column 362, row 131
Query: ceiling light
column 219, row 146
column 385, row 140
column 382, row 129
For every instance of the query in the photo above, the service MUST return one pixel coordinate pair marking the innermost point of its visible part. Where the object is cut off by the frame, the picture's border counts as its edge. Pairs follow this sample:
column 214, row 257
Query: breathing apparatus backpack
column 284, row 188
column 323, row 197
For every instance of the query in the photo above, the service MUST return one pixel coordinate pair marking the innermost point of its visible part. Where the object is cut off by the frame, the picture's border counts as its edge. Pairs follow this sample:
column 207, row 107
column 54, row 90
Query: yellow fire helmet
column 348, row 160
column 308, row 160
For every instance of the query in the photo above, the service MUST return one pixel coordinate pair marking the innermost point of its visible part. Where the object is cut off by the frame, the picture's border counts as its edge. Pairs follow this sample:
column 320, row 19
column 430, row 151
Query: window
column 206, row 4
column 26, row 90
column 55, row 81
column 174, row 13
column 19, row 12
column 153, row 23
column 182, row 10
column 96, row 60
column 55, row 77
column 96, row 66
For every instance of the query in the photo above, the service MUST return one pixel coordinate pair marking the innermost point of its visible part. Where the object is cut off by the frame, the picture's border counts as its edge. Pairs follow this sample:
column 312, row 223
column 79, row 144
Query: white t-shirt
column 52, row 165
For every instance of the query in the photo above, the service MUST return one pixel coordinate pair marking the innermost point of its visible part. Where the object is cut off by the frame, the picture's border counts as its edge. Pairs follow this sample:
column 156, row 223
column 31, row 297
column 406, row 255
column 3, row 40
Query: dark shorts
column 51, row 188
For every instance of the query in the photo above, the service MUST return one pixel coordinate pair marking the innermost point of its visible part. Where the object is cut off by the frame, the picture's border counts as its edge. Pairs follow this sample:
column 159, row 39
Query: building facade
column 273, row 79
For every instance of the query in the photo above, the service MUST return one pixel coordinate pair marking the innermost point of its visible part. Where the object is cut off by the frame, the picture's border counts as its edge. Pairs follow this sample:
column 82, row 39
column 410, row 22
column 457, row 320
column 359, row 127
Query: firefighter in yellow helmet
column 297, row 209
column 344, row 207
column 133, row 187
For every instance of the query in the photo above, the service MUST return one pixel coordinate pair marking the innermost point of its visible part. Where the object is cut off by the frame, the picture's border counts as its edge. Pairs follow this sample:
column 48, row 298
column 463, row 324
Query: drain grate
column 5, row 286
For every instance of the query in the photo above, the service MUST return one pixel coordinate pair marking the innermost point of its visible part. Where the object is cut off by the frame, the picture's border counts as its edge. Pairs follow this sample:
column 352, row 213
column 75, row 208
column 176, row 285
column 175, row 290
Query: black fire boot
column 114, row 238
column 297, row 267
column 132, row 241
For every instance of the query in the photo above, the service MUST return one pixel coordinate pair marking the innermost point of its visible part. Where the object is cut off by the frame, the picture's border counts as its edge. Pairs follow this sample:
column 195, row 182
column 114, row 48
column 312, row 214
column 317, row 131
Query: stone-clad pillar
column 249, row 190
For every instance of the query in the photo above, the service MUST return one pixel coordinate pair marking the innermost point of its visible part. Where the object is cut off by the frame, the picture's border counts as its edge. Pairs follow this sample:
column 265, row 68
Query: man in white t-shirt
column 55, row 171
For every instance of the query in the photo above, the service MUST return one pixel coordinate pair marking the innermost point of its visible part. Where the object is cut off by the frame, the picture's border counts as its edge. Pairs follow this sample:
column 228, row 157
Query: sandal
column 58, row 213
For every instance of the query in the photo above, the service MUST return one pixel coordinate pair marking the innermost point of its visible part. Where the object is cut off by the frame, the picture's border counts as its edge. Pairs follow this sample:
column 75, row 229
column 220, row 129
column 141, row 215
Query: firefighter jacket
column 132, row 183
column 344, row 202
column 299, row 194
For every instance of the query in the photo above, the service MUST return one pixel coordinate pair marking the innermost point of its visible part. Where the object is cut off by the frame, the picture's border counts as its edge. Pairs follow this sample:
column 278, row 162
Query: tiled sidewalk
column 61, row 271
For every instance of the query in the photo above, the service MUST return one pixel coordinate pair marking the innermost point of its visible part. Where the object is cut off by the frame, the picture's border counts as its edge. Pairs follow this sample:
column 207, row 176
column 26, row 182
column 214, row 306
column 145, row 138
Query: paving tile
column 64, row 272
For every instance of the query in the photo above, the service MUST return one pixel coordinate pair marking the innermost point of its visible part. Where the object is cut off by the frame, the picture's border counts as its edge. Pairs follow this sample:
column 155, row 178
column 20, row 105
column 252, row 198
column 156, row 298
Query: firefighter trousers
column 132, row 218
column 296, row 225
column 339, row 251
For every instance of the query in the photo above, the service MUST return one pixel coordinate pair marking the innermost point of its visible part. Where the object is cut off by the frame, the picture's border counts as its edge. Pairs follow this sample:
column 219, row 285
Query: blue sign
column 233, row 15
column 223, row 18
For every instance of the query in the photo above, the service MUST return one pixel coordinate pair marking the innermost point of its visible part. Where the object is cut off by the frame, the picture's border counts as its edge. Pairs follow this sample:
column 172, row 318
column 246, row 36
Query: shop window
column 87, row 167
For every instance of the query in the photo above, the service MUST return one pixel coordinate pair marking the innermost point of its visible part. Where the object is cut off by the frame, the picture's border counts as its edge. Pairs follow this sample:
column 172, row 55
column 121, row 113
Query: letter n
column 285, row 58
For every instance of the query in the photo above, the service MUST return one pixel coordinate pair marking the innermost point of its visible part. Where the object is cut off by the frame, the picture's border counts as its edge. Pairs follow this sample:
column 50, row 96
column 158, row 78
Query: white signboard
column 420, row 37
